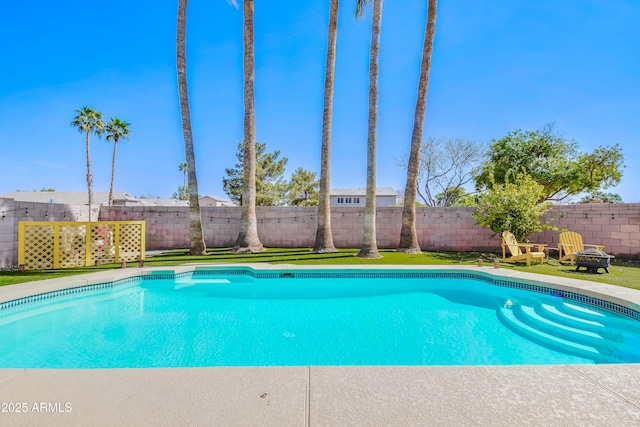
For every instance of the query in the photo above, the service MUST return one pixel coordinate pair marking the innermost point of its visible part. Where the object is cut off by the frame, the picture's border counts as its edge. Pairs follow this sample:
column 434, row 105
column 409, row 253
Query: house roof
column 151, row 202
column 217, row 199
column 362, row 191
column 65, row 197
column 79, row 198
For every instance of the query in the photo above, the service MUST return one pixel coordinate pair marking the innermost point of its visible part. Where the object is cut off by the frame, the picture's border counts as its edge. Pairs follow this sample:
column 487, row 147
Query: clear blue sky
column 497, row 66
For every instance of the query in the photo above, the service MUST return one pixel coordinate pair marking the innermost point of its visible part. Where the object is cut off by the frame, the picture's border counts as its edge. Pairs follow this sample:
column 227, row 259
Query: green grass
column 622, row 273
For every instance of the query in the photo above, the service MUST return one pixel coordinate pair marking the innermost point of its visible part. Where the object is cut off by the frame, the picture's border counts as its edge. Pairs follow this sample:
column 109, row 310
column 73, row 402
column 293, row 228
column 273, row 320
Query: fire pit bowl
column 593, row 259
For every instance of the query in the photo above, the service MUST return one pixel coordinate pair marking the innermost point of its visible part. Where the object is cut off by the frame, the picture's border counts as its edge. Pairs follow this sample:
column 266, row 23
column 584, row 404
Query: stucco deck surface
column 544, row 395
column 576, row 395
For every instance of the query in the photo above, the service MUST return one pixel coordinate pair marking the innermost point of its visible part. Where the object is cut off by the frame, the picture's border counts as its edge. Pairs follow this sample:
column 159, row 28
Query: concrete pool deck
column 541, row 395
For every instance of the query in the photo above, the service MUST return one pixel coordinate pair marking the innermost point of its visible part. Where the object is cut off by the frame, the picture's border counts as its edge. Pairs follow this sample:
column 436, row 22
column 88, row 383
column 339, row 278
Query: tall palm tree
column 114, row 130
column 248, row 240
column 88, row 121
column 324, row 237
column 196, row 236
column 369, row 245
column 408, row 235
column 182, row 167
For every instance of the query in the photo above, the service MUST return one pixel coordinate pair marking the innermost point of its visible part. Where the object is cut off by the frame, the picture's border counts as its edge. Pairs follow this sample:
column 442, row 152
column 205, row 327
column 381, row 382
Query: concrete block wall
column 617, row 226
column 8, row 233
column 12, row 212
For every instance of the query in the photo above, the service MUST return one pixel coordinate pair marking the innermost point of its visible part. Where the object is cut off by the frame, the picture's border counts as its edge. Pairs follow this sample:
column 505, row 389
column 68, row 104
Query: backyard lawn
column 622, row 273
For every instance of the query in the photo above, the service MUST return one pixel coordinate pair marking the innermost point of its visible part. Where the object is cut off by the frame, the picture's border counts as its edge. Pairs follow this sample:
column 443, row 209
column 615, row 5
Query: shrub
column 513, row 207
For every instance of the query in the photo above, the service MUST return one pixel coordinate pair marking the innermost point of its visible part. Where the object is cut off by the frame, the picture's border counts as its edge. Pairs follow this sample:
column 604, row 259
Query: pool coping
column 327, row 395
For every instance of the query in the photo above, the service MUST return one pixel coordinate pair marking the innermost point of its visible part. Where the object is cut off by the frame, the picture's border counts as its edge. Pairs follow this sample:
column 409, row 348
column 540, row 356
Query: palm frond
column 361, row 6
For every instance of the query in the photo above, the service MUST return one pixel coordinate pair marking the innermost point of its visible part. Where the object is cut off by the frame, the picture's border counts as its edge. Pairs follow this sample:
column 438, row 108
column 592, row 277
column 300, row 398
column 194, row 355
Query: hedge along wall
column 617, row 226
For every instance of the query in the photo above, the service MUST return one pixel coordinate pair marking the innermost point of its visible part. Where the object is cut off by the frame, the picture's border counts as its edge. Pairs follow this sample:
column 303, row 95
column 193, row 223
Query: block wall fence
column 12, row 212
column 617, row 226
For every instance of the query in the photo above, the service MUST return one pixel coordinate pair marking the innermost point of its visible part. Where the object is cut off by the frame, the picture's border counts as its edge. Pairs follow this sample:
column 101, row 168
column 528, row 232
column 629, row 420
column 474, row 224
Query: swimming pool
column 244, row 317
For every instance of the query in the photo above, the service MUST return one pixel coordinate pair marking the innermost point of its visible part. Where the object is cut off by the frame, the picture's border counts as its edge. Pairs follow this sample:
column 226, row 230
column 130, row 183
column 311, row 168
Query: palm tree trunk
column 408, row 235
column 113, row 169
column 248, row 240
column 89, row 177
column 196, row 236
column 324, row 237
column 369, row 245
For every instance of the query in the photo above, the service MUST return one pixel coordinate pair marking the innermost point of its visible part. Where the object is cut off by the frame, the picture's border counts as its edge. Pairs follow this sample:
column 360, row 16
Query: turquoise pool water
column 239, row 320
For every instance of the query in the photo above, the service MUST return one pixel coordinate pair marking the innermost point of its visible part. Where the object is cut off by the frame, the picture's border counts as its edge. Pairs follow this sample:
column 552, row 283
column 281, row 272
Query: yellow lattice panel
column 103, row 245
column 130, row 236
column 46, row 245
column 37, row 252
column 72, row 245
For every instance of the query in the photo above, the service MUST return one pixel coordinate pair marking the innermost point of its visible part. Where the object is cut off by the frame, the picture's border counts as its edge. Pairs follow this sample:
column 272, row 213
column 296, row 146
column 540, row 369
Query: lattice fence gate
column 51, row 245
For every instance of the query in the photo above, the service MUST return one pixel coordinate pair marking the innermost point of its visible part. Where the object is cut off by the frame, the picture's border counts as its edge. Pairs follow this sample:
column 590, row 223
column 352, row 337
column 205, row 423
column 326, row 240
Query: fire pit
column 593, row 259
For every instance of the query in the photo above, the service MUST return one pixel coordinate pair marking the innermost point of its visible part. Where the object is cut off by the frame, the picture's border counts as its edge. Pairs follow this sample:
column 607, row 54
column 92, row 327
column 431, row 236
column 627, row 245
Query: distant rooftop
column 65, row 197
column 79, row 198
column 362, row 191
column 149, row 202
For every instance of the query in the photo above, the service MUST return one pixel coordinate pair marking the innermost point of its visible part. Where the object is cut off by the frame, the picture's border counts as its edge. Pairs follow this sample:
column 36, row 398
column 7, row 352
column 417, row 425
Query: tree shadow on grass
column 225, row 255
column 457, row 257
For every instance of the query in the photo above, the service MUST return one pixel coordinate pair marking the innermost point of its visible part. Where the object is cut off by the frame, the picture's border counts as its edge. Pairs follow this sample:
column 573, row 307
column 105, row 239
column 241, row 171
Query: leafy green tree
column 451, row 196
column 512, row 206
column 196, row 235
column 303, row 189
column 468, row 200
column 369, row 247
column 115, row 130
column 270, row 183
column 408, row 234
column 181, row 194
column 553, row 161
column 600, row 197
column 88, row 121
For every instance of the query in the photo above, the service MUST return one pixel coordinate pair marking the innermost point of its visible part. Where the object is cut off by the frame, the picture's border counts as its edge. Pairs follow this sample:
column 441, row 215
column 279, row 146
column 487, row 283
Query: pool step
column 508, row 317
column 576, row 330
column 185, row 283
column 586, row 314
column 573, row 329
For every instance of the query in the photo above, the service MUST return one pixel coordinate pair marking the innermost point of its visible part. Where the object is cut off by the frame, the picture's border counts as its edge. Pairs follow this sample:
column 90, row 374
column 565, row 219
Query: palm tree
column 369, row 245
column 324, row 237
column 88, row 121
column 248, row 240
column 115, row 130
column 408, row 235
column 196, row 236
column 182, row 167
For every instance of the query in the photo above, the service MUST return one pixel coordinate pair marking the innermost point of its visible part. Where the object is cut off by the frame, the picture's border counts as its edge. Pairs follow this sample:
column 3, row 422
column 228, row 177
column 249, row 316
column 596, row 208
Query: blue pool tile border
column 208, row 272
column 69, row 291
